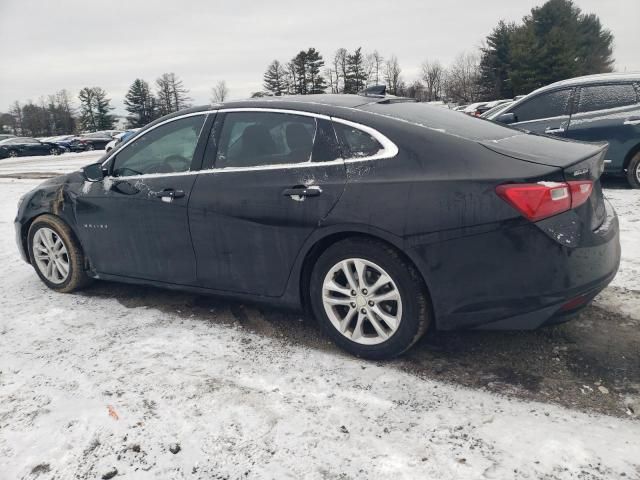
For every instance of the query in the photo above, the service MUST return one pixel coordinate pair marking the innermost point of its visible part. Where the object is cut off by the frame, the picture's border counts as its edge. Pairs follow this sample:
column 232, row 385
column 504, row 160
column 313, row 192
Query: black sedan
column 381, row 217
column 92, row 141
column 27, row 146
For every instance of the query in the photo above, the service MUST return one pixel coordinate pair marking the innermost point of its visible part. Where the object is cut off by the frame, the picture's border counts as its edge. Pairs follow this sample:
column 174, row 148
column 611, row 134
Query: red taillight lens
column 544, row 199
column 580, row 191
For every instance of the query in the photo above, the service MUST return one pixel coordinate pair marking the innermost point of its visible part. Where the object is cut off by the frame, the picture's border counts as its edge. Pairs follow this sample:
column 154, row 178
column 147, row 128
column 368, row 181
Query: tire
column 76, row 277
column 633, row 171
column 90, row 147
column 13, row 153
column 54, row 151
column 411, row 314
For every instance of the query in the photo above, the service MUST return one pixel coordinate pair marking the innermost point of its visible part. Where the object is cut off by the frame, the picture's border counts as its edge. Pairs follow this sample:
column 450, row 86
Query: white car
column 117, row 139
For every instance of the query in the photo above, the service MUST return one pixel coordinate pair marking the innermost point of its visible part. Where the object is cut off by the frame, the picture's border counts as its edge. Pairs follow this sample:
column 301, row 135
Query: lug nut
column 364, row 291
column 371, row 303
column 364, row 310
column 353, row 293
column 353, row 304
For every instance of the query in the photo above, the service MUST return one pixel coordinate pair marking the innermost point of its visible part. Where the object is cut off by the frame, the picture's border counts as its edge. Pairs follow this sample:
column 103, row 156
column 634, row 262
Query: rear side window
column 355, row 142
column 602, row 97
column 545, row 105
column 251, row 139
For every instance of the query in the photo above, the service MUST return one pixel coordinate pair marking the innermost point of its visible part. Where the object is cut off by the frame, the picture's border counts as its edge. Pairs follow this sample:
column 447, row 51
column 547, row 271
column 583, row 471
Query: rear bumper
column 518, row 277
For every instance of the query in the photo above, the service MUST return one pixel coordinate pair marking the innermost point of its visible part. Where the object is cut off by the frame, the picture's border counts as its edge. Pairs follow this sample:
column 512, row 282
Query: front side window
column 168, row 148
column 545, row 105
column 355, row 142
column 250, row 139
column 602, row 97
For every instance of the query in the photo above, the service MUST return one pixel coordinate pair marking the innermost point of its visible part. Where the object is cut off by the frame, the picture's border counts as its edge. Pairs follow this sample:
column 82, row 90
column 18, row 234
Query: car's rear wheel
column 633, row 171
column 90, row 147
column 54, row 151
column 369, row 299
column 56, row 255
column 13, row 153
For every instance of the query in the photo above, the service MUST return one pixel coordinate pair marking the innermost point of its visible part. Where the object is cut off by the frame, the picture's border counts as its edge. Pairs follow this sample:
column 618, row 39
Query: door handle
column 634, row 120
column 169, row 194
column 554, row 130
column 302, row 191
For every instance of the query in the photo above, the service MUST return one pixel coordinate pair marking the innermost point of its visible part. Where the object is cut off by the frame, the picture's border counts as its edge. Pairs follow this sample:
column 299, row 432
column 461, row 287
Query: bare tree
column 432, row 76
column 171, row 94
column 462, row 83
column 376, row 62
column 220, row 92
column 392, row 75
column 340, row 67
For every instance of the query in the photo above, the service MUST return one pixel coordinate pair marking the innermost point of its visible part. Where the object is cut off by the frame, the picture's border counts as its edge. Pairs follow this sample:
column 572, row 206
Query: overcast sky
column 50, row 45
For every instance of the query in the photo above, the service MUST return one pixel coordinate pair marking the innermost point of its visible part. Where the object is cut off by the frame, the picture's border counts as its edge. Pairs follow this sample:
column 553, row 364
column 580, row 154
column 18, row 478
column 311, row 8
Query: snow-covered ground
column 89, row 383
column 47, row 165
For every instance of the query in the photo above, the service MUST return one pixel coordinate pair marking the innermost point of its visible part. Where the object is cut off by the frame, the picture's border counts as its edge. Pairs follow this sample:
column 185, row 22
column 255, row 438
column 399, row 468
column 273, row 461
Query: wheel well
column 632, row 153
column 24, row 234
column 321, row 246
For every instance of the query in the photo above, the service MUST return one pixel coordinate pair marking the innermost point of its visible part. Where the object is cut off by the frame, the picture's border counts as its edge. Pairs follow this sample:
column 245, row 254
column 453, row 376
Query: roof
column 597, row 78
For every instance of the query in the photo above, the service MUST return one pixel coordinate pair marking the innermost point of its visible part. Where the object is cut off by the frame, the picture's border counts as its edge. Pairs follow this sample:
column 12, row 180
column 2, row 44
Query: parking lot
column 118, row 375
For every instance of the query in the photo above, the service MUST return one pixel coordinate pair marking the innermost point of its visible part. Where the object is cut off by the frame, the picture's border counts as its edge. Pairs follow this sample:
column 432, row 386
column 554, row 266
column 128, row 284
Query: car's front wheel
column 369, row 299
column 13, row 153
column 56, row 255
column 633, row 171
column 54, row 151
column 90, row 147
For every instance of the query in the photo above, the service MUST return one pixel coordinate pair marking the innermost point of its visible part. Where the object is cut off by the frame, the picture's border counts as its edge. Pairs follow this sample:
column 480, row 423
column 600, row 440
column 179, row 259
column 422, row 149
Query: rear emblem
column 582, row 171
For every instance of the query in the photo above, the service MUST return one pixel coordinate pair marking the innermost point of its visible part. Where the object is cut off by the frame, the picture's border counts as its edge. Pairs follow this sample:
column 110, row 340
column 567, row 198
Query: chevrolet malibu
column 381, row 217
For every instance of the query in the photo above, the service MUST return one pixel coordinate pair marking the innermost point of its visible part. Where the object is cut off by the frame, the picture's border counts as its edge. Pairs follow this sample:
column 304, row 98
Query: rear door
column 273, row 177
column 611, row 113
column 547, row 112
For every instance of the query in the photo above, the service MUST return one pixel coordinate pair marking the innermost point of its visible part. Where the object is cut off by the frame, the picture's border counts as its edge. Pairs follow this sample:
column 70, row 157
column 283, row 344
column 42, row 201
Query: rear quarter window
column 355, row 142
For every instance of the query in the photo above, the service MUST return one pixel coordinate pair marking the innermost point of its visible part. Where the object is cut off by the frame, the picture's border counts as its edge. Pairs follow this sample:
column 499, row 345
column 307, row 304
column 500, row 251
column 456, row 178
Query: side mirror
column 506, row 118
column 94, row 172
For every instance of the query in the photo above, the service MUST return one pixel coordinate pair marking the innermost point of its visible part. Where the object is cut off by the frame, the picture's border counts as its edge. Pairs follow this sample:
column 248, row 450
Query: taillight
column 544, row 199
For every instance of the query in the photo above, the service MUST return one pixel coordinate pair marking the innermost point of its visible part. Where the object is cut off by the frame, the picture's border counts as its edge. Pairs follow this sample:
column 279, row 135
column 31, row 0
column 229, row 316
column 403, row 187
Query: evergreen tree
column 94, row 109
column 275, row 79
column 557, row 41
column 495, row 64
column 356, row 76
column 140, row 104
column 305, row 72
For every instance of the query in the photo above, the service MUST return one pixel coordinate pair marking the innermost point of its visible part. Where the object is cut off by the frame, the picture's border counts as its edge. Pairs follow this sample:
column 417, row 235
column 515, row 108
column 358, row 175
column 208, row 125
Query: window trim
column 390, row 149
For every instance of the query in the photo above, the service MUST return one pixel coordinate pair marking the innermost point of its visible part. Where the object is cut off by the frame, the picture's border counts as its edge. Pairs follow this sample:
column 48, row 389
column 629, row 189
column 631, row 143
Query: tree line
column 554, row 42
column 56, row 115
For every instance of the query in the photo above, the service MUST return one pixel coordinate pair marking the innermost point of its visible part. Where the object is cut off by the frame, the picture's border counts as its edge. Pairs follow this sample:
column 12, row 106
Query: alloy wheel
column 50, row 255
column 13, row 153
column 362, row 301
column 53, row 151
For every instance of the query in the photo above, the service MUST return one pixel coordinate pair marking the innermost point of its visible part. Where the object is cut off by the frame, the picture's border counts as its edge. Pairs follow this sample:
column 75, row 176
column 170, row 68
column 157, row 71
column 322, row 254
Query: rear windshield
column 444, row 120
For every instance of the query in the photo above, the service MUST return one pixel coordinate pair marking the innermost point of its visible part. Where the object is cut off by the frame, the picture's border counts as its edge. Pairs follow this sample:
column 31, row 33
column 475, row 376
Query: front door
column 547, row 113
column 135, row 223
column 276, row 176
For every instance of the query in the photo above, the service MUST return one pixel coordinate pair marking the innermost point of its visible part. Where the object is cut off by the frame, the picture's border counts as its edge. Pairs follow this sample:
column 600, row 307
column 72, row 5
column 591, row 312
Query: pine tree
column 316, row 82
column 94, row 109
column 140, row 104
column 275, row 79
column 355, row 75
column 495, row 63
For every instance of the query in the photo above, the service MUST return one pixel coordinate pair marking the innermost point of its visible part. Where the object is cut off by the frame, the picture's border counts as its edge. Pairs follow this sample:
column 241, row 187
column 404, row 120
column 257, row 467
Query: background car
column 498, row 108
column 490, row 105
column 4, row 136
column 27, row 146
column 120, row 138
column 594, row 108
column 93, row 141
column 337, row 204
column 63, row 141
column 474, row 109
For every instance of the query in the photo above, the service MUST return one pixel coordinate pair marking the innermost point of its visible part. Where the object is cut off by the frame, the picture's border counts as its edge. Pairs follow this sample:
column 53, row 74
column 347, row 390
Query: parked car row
column 12, row 146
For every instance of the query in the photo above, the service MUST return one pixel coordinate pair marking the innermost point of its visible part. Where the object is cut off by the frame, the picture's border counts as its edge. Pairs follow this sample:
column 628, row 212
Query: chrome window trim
column 388, row 151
